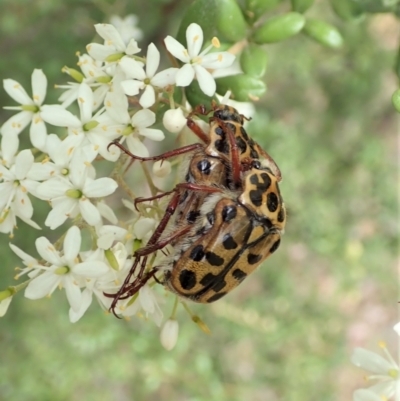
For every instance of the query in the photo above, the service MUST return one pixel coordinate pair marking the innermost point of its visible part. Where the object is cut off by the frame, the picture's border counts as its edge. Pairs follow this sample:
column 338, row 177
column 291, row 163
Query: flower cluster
column 117, row 91
column 386, row 374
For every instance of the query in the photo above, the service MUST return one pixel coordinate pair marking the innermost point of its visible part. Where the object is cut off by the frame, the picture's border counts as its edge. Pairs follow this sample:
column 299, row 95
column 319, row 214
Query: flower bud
column 162, row 168
column 169, row 334
column 346, row 9
column 174, row 120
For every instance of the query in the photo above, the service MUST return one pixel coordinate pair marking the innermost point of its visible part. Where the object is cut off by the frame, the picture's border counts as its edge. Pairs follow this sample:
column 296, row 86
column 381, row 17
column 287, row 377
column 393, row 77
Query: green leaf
column 221, row 18
column 347, row 9
column 323, row 33
column 253, row 60
column 301, row 6
column 254, row 9
column 244, row 87
column 195, row 95
column 396, row 100
column 279, row 28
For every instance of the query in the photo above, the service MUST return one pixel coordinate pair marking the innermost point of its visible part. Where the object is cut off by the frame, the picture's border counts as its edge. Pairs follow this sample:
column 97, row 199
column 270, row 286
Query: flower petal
column 194, row 39
column 47, row 251
column 72, row 245
column 91, row 269
column 38, row 133
column 39, row 86
column 42, row 285
column 185, row 75
column 89, row 212
column 23, row 164
column 148, row 97
column 15, row 124
column 17, row 92
column 206, row 81
column 131, row 87
column 153, row 134
column 176, row 49
column 72, row 292
column 143, row 118
column 152, row 60
column 85, row 102
column 58, row 116
column 100, row 187
column 137, row 147
column 111, row 36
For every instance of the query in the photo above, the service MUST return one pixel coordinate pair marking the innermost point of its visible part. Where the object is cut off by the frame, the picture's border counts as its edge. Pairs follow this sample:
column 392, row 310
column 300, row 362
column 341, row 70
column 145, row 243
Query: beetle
column 223, row 169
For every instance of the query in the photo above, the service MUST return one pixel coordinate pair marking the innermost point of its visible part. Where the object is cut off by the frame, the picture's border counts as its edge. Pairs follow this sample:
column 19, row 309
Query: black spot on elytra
column 228, row 242
column 219, row 285
column 215, row 297
column 192, row 216
column 204, row 166
column 213, row 259
column 187, row 279
column 211, row 217
column 272, row 202
column 244, row 134
column 239, row 275
column 197, row 253
column 221, row 146
column 261, row 181
column 252, row 259
column 275, row 246
column 229, row 213
column 256, row 197
column 207, row 279
column 241, row 145
column 256, row 164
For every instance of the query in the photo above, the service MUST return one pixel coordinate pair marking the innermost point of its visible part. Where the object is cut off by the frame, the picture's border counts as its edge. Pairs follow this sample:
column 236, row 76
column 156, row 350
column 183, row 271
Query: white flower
column 93, row 74
column 196, row 62
column 146, row 302
column 174, row 120
column 71, row 196
column 31, row 109
column 131, row 127
column 64, row 270
column 127, row 27
column 97, row 285
column 90, row 132
column 146, row 80
column 169, row 334
column 17, row 183
column 29, row 261
column 386, row 371
column 114, row 47
column 107, row 234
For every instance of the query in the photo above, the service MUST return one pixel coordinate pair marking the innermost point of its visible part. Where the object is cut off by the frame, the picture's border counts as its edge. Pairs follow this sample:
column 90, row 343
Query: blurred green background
column 288, row 331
